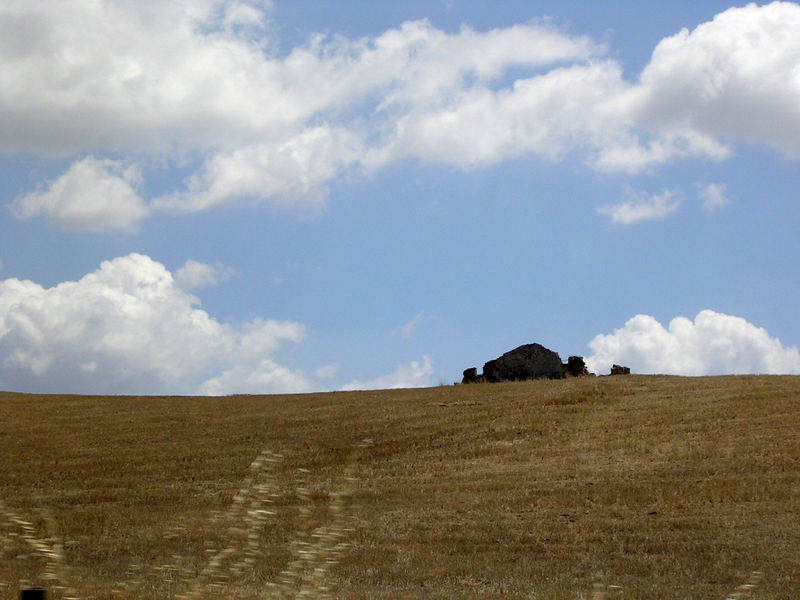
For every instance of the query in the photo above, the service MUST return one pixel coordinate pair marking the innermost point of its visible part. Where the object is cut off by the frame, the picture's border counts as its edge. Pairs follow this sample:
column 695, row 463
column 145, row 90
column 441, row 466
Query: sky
column 203, row 197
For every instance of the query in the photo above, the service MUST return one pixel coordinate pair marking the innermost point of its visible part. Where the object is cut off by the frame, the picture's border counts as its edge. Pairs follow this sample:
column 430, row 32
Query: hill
column 645, row 487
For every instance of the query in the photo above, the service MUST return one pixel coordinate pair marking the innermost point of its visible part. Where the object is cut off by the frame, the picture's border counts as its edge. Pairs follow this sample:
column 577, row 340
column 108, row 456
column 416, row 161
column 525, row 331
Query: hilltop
column 648, row 486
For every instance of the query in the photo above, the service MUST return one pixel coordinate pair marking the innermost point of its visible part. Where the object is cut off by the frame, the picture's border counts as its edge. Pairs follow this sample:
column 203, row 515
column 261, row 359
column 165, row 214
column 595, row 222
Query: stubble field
column 635, row 487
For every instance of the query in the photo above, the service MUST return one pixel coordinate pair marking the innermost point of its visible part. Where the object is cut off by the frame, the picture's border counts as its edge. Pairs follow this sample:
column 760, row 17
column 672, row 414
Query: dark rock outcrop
column 576, row 367
column 471, row 376
column 531, row 361
column 620, row 370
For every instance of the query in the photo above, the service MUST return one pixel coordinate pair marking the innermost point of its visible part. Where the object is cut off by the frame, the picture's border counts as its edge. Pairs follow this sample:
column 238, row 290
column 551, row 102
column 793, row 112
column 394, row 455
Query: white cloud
column 93, row 195
column 190, row 76
column 265, row 376
column 246, row 16
column 713, row 196
column 734, row 77
column 202, row 78
column 290, row 173
column 407, row 330
column 549, row 115
column 326, row 371
column 714, row 344
column 414, row 374
column 631, row 155
column 641, row 208
column 417, row 65
column 129, row 328
column 193, row 274
column 148, row 74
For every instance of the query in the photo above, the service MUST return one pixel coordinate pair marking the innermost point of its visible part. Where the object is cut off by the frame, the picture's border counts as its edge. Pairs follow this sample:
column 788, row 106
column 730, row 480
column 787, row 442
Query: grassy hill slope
column 646, row 487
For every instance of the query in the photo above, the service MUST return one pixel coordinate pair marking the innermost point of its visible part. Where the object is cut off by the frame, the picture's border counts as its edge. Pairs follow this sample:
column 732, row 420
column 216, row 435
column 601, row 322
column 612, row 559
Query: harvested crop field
column 637, row 487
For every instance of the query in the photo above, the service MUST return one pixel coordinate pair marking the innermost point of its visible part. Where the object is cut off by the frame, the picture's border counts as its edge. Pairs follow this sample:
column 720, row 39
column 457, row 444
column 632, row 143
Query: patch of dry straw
column 313, row 551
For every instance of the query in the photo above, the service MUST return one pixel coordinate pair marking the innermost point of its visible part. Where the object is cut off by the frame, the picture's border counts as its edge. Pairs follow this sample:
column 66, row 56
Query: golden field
column 634, row 487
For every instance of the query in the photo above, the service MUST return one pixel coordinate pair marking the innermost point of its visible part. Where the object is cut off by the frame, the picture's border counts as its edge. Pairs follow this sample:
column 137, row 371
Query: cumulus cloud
column 414, row 374
column 93, row 195
column 641, row 207
column 149, row 74
column 129, row 328
column 193, row 274
column 734, row 77
column 204, row 79
column 713, row 344
column 713, row 196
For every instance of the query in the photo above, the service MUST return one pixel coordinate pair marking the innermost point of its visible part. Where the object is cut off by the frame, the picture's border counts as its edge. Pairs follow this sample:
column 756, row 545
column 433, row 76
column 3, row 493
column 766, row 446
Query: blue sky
column 206, row 197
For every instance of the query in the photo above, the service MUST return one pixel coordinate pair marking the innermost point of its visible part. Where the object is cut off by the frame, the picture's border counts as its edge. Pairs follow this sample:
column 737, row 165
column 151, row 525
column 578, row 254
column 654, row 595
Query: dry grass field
column 639, row 487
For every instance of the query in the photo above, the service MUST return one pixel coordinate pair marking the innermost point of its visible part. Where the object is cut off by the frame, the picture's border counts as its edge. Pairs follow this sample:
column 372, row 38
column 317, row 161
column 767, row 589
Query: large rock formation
column 531, row 361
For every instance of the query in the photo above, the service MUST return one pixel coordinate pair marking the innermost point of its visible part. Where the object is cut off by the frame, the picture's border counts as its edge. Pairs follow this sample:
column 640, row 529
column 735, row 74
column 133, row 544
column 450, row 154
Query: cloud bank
column 713, row 344
column 414, row 374
column 129, row 328
column 160, row 81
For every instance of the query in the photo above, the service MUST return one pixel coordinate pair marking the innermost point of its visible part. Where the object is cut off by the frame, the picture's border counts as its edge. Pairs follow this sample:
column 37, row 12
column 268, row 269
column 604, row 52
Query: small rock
column 576, row 367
